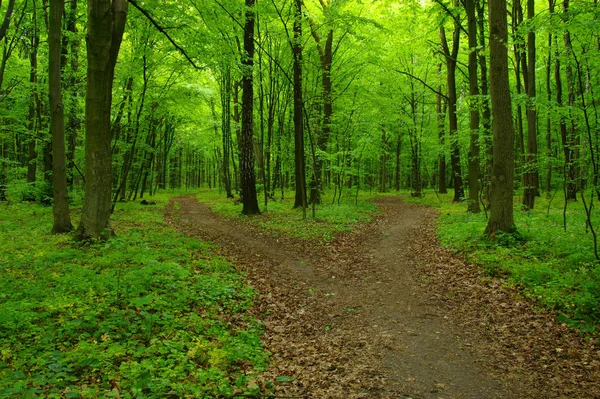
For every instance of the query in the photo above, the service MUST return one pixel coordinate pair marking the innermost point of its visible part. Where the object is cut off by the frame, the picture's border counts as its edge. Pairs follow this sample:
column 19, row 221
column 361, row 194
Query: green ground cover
column 556, row 268
column 279, row 219
column 150, row 313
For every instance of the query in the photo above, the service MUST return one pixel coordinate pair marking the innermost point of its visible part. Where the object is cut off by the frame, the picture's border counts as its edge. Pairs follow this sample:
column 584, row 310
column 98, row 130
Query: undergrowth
column 279, row 219
column 150, row 313
column 556, row 268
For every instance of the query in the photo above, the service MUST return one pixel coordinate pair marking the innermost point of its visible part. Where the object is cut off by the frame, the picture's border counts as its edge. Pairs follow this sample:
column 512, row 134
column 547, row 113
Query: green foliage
column 281, row 220
column 150, row 313
column 555, row 267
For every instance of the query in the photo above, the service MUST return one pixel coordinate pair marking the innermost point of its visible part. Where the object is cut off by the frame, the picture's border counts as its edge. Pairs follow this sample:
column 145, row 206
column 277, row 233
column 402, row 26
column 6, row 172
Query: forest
column 465, row 130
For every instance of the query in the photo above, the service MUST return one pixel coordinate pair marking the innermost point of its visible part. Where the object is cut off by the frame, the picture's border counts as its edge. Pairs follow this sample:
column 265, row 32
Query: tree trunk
column 502, row 183
column 531, row 170
column 451, row 60
column 73, row 121
column 473, row 162
column 484, row 87
column 249, row 200
column 106, row 23
column 441, row 116
column 571, row 137
column 60, row 208
column 226, row 127
column 300, row 198
column 548, row 117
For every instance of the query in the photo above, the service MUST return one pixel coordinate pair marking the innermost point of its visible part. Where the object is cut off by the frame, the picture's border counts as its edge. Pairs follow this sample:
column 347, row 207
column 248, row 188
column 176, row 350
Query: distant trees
column 316, row 97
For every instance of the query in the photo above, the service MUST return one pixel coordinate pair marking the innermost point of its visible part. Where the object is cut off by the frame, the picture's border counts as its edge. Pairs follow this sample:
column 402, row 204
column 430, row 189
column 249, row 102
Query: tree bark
column 531, row 170
column 484, row 90
column 502, row 183
column 473, row 162
column 300, row 198
column 451, row 61
column 571, row 136
column 248, row 179
column 60, row 207
column 106, row 23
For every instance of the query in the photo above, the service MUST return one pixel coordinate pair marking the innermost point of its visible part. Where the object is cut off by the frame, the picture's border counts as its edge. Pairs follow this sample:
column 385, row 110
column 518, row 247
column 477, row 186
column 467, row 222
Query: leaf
column 283, row 378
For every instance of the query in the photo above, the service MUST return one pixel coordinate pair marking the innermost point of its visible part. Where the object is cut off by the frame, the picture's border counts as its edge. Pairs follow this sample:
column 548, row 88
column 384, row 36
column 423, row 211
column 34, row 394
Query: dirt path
column 380, row 313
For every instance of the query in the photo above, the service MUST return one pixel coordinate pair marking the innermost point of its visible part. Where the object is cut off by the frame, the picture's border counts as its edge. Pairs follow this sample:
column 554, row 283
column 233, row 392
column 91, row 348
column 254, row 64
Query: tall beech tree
column 502, row 182
column 473, row 161
column 530, row 178
column 300, row 198
column 106, row 24
column 450, row 52
column 60, row 206
column 248, row 177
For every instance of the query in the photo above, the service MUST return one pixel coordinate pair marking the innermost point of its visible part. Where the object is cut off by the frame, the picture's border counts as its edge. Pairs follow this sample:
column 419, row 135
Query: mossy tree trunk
column 502, row 182
column 106, row 23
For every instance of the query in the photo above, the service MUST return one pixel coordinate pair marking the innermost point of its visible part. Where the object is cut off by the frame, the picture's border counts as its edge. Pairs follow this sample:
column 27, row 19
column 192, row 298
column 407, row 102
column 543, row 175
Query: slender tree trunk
column 502, row 183
column 572, row 134
column 34, row 122
column 226, row 127
column 485, row 104
column 383, row 161
column 300, row 198
column 249, row 200
column 451, row 61
column 62, row 219
column 441, row 117
column 531, row 170
column 549, row 154
column 106, row 23
column 73, row 120
column 473, row 164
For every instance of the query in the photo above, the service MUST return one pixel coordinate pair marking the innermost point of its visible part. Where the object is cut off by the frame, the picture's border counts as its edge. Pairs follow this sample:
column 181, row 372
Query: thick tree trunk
column 106, row 23
column 248, row 179
column 473, row 162
column 300, row 198
column 502, row 183
column 60, row 207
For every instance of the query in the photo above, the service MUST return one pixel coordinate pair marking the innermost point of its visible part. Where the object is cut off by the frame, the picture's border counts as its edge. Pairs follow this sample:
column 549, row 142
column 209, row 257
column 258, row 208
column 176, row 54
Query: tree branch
column 161, row 30
column 422, row 82
column 6, row 23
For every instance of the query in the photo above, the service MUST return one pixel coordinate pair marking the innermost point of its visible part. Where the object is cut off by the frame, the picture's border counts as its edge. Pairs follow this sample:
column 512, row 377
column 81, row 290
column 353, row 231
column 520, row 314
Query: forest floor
column 386, row 312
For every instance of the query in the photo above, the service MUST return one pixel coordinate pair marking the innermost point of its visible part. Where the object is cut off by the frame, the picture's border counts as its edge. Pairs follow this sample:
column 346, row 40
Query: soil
column 386, row 312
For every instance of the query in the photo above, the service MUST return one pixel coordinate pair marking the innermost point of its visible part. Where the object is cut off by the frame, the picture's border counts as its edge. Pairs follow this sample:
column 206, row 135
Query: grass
column 556, row 268
column 150, row 313
column 279, row 219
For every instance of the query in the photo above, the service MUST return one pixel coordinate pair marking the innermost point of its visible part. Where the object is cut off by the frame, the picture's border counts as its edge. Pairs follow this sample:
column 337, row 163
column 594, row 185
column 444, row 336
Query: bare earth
column 385, row 312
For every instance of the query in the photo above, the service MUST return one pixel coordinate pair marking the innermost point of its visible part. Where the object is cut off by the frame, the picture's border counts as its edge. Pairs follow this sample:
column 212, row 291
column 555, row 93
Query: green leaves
column 119, row 318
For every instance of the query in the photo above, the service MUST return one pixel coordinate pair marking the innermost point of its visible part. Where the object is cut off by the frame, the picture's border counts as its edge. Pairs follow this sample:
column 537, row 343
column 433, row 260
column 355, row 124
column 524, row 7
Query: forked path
column 365, row 316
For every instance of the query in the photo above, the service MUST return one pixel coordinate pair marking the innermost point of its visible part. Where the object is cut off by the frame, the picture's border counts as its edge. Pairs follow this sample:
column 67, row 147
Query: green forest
column 225, row 198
